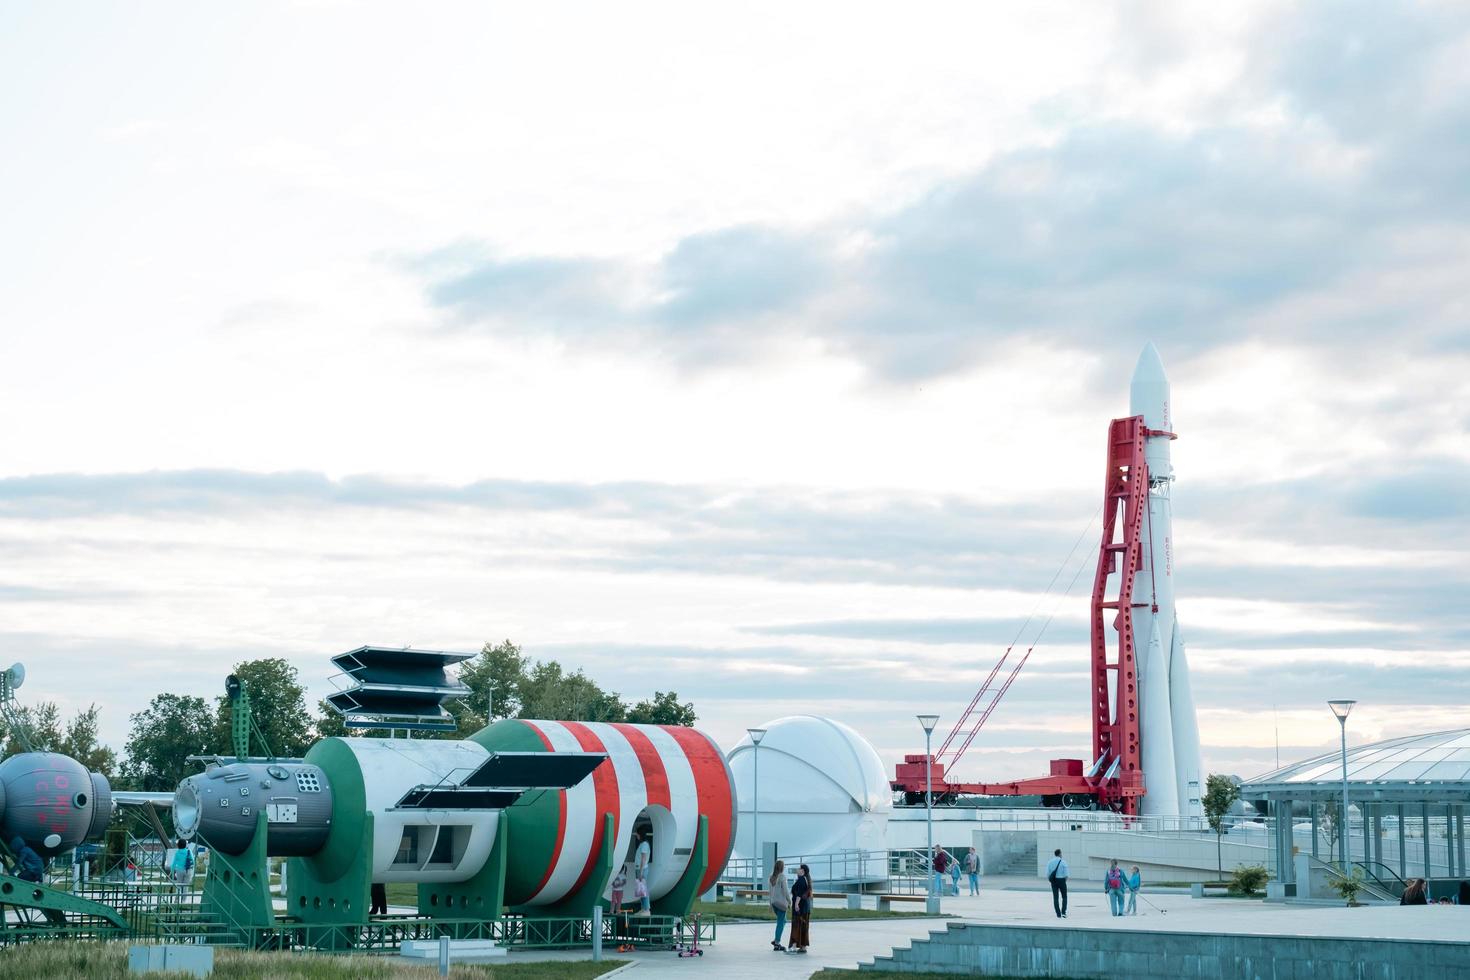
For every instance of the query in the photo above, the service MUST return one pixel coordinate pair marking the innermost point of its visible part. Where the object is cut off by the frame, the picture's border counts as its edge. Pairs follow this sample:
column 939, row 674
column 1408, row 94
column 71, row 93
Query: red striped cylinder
column 666, row 775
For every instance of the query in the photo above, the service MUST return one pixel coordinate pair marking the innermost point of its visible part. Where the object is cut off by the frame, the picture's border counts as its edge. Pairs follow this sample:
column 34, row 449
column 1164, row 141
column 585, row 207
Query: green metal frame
column 237, row 886
column 65, row 915
column 679, row 901
column 317, row 897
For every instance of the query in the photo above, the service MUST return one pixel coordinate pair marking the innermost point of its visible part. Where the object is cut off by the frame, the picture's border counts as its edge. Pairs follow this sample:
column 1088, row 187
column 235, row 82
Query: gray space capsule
column 222, row 804
column 52, row 801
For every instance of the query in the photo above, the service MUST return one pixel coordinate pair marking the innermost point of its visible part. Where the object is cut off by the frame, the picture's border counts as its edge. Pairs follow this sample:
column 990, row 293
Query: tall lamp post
column 931, row 905
column 756, row 734
column 1340, row 708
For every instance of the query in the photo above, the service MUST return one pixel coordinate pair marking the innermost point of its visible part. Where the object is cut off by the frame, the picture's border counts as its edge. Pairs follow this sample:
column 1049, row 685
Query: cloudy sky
column 764, row 353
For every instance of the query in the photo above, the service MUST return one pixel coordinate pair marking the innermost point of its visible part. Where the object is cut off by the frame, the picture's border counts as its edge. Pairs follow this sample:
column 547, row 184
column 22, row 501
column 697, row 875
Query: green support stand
column 578, row 905
column 479, row 897
column 679, row 901
column 237, row 889
column 314, row 898
column 55, row 905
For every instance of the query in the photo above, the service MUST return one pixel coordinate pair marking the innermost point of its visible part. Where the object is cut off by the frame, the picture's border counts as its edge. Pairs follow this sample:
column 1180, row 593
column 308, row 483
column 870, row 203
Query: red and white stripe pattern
column 676, row 773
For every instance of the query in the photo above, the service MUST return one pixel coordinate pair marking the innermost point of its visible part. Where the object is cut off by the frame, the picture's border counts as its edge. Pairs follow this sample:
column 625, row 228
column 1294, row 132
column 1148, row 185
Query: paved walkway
column 743, row 950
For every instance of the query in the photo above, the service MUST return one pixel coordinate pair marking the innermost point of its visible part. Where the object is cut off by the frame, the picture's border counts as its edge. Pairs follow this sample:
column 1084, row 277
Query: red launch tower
column 1114, row 779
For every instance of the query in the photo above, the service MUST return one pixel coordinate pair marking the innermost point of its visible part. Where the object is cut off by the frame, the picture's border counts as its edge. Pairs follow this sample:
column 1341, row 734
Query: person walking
column 940, row 865
column 1135, row 882
column 954, row 876
column 181, row 865
column 1113, row 885
column 1056, row 873
column 801, row 910
column 972, row 870
column 378, row 899
column 780, row 902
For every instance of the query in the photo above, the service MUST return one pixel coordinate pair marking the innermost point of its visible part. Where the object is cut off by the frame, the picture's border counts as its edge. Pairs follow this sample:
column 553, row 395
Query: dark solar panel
column 544, row 770
column 449, row 798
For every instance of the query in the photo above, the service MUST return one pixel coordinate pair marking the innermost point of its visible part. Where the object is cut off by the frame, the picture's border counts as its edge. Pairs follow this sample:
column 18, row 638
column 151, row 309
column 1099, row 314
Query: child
column 619, row 882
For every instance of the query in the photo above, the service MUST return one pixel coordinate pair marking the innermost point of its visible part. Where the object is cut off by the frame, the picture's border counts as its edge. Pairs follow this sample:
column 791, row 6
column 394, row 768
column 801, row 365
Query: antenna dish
column 15, row 675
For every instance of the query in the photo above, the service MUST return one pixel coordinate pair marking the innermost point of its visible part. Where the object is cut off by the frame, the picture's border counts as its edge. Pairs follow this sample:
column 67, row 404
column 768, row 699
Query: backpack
column 183, row 860
column 1115, row 878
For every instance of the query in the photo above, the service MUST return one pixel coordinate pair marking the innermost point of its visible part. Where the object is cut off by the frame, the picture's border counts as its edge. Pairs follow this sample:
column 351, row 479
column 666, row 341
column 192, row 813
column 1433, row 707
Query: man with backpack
column 1056, row 873
column 1113, row 885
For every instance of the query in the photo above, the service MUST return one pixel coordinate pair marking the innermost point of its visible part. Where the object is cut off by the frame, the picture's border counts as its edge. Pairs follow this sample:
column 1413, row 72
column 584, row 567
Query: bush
column 1349, row 887
column 1248, row 879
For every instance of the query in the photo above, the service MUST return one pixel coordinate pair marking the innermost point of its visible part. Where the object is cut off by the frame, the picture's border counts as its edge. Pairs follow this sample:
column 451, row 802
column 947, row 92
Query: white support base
column 460, row 951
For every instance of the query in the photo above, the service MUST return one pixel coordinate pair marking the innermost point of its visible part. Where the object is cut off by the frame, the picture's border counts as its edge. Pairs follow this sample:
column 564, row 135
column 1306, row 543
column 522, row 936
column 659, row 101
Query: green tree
column 1221, row 792
column 77, row 738
column 42, row 724
column 80, row 742
column 171, row 728
column 549, row 692
column 663, row 709
column 495, row 678
column 278, row 705
column 328, row 722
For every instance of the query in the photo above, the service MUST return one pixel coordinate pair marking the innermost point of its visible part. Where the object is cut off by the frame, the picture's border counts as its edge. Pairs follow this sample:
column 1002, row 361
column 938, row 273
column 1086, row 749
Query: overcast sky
column 761, row 352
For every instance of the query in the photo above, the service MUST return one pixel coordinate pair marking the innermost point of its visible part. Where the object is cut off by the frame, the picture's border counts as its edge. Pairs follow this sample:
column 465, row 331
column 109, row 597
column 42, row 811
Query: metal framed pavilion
column 1406, row 807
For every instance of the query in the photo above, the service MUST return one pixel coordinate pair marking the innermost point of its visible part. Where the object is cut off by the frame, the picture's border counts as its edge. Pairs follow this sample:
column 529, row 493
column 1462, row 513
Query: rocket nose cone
column 1150, row 367
column 1148, row 394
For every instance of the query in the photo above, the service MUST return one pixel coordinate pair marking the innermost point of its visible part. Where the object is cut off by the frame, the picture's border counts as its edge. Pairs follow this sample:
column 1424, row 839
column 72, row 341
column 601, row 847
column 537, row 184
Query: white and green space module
column 533, row 817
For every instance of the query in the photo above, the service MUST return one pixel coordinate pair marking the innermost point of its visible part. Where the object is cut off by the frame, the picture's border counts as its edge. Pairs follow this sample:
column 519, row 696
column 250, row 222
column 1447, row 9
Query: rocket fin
column 1161, row 781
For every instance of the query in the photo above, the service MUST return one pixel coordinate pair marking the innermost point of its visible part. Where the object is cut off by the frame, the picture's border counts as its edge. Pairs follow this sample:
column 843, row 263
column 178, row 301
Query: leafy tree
column 278, row 705
column 549, row 692
column 495, row 678
column 328, row 722
column 171, row 728
column 42, row 724
column 80, row 742
column 664, row 709
column 1221, row 792
column 78, row 738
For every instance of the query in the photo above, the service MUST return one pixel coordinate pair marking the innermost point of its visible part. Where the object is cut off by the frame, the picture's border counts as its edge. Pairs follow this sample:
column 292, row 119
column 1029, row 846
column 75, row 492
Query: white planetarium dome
column 822, row 788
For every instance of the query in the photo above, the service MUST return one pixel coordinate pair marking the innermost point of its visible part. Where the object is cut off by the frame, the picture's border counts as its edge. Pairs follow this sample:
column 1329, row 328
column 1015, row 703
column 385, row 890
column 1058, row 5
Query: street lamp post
column 929, row 721
column 1340, row 708
column 756, row 734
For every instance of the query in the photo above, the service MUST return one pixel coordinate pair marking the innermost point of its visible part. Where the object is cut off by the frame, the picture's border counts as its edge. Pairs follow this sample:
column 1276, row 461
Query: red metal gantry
column 1115, row 779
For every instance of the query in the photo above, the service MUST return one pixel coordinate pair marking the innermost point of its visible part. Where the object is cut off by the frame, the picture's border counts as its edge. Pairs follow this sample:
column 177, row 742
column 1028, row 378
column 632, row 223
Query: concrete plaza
column 743, row 949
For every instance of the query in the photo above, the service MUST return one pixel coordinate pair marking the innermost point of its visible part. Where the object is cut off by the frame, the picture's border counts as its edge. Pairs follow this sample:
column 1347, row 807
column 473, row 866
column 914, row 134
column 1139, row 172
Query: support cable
column 959, row 725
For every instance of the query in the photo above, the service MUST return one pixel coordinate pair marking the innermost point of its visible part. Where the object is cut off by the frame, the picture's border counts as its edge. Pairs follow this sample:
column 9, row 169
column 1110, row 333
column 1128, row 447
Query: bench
column 885, row 902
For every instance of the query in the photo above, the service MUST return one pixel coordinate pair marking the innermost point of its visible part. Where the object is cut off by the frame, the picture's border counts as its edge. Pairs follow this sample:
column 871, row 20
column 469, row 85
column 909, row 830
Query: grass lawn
column 402, row 893
column 109, row 961
column 730, row 912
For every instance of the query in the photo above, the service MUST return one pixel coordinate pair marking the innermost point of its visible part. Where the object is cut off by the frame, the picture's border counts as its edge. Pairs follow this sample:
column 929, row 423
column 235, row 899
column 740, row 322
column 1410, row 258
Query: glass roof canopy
column 1435, row 766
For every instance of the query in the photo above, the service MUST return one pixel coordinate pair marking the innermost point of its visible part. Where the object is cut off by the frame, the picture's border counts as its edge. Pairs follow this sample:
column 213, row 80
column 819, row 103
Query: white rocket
column 1173, row 772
